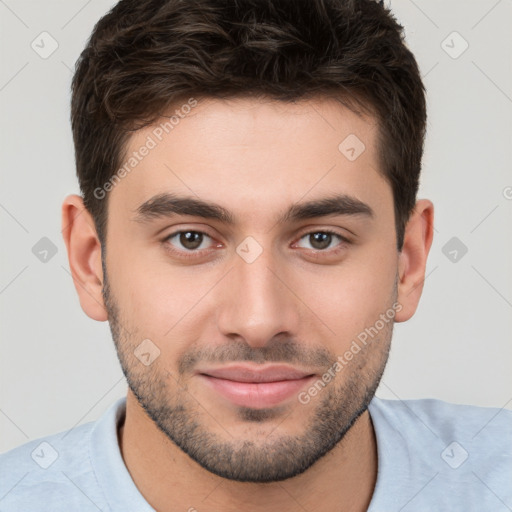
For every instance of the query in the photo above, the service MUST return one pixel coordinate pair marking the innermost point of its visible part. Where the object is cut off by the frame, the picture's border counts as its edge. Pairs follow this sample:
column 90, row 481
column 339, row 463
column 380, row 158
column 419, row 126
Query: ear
column 412, row 260
column 84, row 256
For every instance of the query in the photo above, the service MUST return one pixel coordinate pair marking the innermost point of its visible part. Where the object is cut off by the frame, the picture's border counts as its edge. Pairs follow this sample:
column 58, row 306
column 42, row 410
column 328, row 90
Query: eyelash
column 315, row 252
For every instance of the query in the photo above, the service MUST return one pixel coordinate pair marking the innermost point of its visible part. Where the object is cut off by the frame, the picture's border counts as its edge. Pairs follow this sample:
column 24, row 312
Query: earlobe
column 412, row 260
column 84, row 256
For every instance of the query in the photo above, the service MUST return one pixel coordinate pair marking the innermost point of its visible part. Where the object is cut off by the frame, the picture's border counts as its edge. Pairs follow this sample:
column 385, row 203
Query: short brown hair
column 145, row 55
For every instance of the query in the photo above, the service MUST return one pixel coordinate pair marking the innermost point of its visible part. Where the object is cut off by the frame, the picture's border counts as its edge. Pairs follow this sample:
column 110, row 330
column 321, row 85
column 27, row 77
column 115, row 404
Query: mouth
column 249, row 386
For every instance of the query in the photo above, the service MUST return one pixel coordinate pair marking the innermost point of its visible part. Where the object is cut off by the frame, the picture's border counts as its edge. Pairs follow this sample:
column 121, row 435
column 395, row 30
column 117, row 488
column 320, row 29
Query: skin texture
column 296, row 303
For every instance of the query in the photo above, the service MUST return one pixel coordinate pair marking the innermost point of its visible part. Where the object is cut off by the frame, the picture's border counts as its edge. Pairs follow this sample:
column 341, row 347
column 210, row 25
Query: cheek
column 159, row 301
column 351, row 296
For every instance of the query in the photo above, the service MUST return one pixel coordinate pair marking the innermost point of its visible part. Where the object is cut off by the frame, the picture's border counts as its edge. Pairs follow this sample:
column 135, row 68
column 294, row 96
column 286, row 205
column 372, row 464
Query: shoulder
column 54, row 469
column 460, row 454
column 484, row 432
column 445, row 417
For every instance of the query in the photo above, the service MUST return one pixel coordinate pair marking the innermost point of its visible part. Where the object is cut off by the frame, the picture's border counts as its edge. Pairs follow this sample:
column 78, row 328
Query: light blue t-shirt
column 432, row 456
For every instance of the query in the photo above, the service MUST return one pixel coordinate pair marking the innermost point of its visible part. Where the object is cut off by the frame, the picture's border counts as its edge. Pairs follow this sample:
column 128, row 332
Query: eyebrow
column 168, row 205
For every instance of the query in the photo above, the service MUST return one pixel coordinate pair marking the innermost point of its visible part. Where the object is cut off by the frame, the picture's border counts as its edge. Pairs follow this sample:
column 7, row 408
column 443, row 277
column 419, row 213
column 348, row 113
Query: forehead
column 253, row 155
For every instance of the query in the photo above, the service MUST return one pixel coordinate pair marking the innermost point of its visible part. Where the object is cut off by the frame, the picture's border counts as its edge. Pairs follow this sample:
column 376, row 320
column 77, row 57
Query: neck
column 169, row 480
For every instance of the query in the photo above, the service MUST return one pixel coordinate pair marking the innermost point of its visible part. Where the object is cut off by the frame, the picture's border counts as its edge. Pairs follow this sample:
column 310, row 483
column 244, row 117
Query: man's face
column 258, row 291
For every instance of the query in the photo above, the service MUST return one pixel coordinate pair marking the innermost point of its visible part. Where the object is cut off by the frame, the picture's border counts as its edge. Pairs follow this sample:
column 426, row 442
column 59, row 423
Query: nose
column 257, row 302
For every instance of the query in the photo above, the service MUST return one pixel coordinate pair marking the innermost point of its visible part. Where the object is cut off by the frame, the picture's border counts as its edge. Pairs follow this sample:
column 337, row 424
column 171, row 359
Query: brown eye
column 187, row 240
column 322, row 240
column 191, row 239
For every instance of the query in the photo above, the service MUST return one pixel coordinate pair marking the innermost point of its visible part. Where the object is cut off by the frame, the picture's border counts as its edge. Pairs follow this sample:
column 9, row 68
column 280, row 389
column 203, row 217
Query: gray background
column 58, row 368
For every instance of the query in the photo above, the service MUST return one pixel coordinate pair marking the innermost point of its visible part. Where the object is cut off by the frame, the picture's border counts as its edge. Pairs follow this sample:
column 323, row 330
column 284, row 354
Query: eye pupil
column 320, row 240
column 191, row 239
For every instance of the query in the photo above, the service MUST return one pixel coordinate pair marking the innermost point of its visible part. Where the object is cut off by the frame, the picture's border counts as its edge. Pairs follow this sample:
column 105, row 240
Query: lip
column 247, row 373
column 253, row 387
